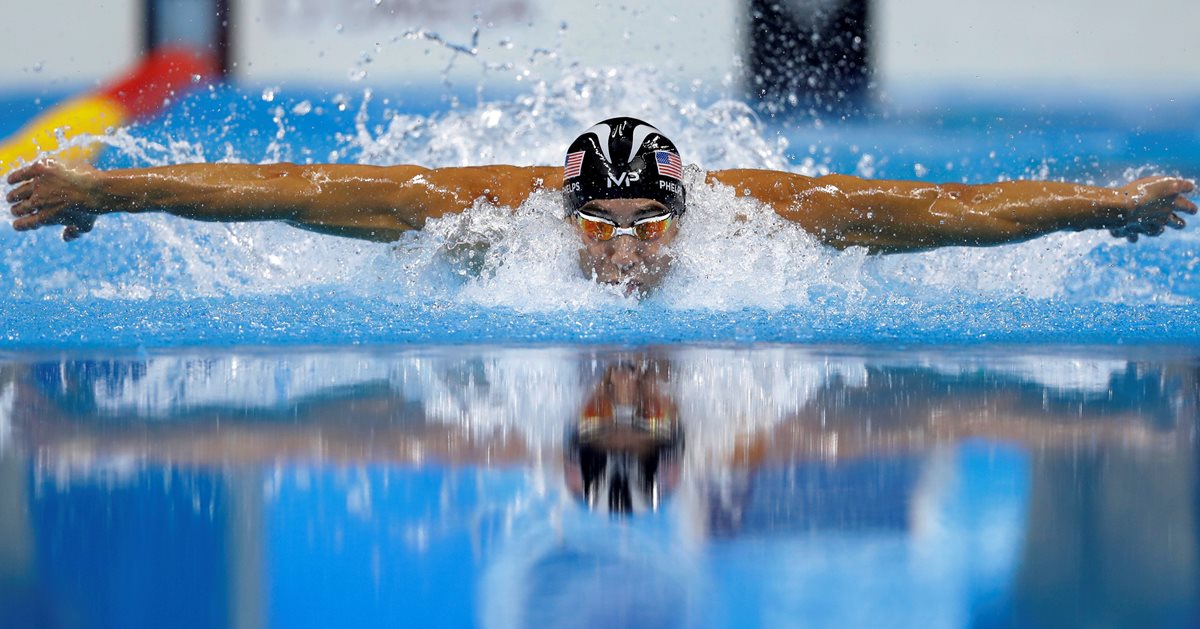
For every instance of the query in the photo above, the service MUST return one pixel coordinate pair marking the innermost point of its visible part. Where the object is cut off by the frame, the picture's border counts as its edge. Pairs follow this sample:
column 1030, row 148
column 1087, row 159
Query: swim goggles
column 649, row 415
column 650, row 228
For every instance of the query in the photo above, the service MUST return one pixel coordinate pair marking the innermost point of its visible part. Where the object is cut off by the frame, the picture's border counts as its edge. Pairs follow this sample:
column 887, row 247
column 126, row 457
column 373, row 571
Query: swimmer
column 622, row 187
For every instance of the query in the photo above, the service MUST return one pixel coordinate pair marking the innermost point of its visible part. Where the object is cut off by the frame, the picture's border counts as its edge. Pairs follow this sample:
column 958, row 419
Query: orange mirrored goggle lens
column 652, row 228
column 595, row 229
column 646, row 229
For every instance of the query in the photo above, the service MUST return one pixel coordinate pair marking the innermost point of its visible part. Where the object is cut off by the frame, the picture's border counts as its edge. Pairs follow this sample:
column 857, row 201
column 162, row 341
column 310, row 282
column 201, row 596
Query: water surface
column 682, row 485
column 158, row 281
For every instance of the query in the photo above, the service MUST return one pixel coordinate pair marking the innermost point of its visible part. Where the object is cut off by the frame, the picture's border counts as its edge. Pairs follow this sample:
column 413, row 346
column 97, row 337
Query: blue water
column 158, row 281
column 374, row 487
column 249, row 425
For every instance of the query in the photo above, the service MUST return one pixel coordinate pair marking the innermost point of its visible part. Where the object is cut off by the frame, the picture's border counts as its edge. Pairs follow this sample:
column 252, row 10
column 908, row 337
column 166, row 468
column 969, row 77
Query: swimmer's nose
column 625, row 253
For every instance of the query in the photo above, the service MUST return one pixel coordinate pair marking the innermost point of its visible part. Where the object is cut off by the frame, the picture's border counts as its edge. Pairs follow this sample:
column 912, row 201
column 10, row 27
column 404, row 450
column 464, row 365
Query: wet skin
column 381, row 203
column 638, row 265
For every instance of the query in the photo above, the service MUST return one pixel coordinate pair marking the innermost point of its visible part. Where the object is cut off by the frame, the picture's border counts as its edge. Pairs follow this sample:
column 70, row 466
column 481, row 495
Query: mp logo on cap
column 623, row 179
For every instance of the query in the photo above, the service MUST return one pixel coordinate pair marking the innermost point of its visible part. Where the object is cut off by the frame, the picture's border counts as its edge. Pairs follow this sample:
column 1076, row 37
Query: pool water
column 157, row 280
column 250, row 425
column 824, row 486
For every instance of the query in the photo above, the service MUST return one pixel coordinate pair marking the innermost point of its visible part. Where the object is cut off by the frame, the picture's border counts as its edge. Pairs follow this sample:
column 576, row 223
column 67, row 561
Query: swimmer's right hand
column 47, row 192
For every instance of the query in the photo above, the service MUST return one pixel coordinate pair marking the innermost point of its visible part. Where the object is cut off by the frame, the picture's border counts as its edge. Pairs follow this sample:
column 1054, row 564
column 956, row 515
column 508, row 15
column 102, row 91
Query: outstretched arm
column 898, row 216
column 369, row 202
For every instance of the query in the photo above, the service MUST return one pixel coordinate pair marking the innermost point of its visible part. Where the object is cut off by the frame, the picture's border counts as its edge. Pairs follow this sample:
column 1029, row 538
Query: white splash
column 732, row 253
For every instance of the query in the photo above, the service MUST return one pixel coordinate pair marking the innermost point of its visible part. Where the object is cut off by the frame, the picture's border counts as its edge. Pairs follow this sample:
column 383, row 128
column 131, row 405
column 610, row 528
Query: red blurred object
column 161, row 75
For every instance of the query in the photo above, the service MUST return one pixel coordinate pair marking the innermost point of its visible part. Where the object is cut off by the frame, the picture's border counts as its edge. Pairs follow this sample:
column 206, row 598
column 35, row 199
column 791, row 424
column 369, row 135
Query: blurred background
column 1088, row 91
column 791, row 54
column 836, row 436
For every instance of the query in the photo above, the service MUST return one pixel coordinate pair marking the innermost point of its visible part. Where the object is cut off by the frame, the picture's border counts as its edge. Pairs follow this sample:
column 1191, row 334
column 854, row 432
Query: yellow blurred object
column 160, row 77
column 92, row 114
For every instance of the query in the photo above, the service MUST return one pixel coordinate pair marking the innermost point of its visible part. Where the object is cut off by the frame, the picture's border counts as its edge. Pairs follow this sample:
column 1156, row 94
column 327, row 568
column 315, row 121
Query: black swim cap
column 623, row 158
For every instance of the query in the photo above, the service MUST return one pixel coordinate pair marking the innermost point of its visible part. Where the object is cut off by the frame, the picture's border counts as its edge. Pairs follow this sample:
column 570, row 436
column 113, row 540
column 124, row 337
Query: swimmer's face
column 637, row 264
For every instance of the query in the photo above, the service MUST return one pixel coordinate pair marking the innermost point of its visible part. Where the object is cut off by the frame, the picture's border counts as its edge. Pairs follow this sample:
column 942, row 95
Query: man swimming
column 622, row 187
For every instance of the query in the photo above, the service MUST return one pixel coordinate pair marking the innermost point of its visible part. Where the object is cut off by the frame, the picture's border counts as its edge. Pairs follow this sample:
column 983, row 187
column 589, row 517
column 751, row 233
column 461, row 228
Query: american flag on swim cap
column 668, row 164
column 574, row 163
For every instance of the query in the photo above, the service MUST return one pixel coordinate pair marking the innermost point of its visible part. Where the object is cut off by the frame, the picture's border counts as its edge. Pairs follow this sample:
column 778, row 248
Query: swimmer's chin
column 629, row 286
column 635, row 288
column 636, row 285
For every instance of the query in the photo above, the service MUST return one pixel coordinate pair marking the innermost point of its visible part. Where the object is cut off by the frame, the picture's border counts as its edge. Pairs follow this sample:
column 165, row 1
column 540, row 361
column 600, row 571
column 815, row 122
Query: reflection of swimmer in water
column 621, row 178
column 623, row 454
column 164, row 410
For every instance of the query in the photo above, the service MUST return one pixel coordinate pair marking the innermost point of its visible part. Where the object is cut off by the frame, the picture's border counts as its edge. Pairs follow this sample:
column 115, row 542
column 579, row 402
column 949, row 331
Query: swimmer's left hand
column 1155, row 203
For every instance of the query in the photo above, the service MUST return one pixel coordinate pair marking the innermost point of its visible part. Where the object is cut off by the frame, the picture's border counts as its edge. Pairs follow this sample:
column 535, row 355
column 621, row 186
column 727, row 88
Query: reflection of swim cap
column 623, row 158
column 622, row 482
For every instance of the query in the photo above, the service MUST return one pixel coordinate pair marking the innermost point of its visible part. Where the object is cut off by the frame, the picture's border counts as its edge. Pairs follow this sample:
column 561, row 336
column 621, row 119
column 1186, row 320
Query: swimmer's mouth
column 631, row 283
column 631, row 286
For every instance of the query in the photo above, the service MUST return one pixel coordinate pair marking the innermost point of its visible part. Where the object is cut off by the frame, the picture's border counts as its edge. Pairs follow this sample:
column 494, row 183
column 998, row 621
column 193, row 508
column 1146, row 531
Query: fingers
column 23, row 174
column 1149, row 190
column 24, row 208
column 1175, row 185
column 77, row 225
column 30, row 217
column 20, row 193
column 31, row 171
column 1149, row 228
column 28, row 223
column 1160, row 204
column 1133, row 231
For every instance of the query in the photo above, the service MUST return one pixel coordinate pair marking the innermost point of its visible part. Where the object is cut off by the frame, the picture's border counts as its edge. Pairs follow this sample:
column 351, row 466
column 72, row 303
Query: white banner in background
column 67, row 45
column 397, row 42
column 1113, row 46
column 304, row 14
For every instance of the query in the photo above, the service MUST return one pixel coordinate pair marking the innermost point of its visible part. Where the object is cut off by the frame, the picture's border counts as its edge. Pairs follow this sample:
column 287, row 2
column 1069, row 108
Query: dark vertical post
column 222, row 41
column 197, row 24
column 810, row 57
column 150, row 34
